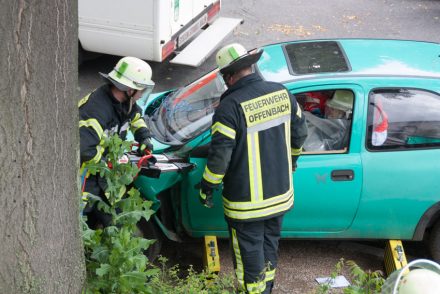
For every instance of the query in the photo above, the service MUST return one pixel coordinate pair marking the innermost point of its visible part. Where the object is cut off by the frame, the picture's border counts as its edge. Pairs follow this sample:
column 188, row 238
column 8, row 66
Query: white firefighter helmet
column 420, row 281
column 340, row 105
column 342, row 100
column 420, row 276
column 131, row 73
column 234, row 57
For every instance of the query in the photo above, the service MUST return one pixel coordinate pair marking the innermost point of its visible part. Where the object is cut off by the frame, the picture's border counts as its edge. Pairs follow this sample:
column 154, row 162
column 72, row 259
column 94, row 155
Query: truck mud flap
column 205, row 44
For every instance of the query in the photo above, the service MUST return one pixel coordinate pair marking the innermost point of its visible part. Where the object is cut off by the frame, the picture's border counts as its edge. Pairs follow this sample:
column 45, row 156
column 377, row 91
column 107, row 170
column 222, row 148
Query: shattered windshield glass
column 188, row 111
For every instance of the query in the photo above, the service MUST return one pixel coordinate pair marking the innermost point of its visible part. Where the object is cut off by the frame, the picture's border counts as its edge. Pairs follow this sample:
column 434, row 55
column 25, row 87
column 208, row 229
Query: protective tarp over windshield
column 188, row 112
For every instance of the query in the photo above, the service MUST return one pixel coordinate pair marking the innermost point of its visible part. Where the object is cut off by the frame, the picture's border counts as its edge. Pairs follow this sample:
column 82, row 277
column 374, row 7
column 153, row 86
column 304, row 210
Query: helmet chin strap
column 129, row 99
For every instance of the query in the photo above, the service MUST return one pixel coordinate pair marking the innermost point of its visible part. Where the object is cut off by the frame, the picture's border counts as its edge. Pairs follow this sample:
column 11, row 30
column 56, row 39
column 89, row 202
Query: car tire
column 151, row 231
column 434, row 242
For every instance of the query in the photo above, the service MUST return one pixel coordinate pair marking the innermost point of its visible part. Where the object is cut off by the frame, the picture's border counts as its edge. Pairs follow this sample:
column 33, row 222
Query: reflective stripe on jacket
column 257, row 130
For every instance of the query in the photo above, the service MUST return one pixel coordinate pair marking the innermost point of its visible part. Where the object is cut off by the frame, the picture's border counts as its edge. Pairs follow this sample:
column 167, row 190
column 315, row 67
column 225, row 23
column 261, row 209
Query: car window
column 329, row 116
column 403, row 119
column 316, row 57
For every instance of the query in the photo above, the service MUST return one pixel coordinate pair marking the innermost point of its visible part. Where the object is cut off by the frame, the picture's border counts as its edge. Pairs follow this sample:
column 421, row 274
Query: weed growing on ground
column 362, row 282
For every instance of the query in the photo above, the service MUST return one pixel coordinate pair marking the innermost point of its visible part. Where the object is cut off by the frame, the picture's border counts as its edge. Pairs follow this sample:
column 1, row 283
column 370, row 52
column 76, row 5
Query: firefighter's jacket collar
column 253, row 77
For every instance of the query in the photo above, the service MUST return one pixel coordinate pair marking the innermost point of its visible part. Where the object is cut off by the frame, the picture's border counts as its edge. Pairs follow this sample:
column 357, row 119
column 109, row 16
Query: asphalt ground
column 265, row 22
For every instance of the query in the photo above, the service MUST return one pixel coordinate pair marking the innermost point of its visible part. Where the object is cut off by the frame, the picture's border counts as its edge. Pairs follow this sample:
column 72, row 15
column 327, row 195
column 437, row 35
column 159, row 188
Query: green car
column 370, row 172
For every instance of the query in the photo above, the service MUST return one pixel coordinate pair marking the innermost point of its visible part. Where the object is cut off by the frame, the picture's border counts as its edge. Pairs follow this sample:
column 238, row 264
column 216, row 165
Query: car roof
column 363, row 57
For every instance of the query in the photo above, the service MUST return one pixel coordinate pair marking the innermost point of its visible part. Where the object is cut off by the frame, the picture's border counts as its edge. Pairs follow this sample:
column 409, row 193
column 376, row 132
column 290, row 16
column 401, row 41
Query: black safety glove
column 205, row 194
column 294, row 164
column 144, row 146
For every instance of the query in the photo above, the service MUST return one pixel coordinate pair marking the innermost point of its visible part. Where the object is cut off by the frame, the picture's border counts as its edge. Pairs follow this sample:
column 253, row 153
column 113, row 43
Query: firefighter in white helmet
column 340, row 106
column 257, row 135
column 332, row 130
column 112, row 109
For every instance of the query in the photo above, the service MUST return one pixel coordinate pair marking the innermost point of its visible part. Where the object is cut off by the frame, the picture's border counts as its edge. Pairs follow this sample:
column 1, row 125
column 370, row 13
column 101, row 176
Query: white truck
column 153, row 29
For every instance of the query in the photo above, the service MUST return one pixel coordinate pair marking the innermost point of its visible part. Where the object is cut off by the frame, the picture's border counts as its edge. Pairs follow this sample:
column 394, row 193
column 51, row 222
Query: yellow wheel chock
column 394, row 256
column 211, row 259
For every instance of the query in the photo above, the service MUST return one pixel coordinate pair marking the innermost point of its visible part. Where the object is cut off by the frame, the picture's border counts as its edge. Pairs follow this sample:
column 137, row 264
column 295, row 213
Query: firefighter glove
column 144, row 146
column 294, row 164
column 205, row 195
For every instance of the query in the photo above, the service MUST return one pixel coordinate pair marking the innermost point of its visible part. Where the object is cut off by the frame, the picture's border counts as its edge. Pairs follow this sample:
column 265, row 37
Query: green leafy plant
column 115, row 262
column 362, row 282
column 326, row 287
column 173, row 281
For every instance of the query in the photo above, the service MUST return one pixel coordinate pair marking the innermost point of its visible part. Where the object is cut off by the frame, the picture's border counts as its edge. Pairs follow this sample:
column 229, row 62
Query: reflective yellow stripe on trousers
column 256, row 288
column 239, row 271
column 270, row 275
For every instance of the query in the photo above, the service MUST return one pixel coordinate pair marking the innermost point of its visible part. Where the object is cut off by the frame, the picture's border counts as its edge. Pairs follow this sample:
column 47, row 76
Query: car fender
column 428, row 219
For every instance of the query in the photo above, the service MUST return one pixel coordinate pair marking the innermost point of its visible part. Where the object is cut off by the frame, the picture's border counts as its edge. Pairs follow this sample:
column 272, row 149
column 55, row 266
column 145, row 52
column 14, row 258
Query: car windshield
column 188, row 111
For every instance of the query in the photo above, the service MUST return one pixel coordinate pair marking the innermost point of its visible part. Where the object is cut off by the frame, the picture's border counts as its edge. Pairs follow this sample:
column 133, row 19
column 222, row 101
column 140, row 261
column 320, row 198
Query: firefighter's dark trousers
column 255, row 253
column 96, row 185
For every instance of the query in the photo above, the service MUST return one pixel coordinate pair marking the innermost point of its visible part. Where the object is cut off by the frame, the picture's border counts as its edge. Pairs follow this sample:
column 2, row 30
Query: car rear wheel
column 151, row 231
column 434, row 242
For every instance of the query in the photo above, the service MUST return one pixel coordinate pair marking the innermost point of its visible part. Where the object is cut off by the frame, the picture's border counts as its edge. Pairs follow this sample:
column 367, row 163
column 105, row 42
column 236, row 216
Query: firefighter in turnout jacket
column 109, row 110
column 257, row 136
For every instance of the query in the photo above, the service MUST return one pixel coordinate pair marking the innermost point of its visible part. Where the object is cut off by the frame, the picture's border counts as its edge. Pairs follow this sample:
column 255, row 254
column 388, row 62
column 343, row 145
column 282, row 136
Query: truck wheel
column 151, row 231
column 434, row 242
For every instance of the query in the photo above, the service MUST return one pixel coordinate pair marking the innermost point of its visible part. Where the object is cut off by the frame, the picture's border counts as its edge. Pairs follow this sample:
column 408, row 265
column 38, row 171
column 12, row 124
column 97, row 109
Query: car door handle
column 342, row 175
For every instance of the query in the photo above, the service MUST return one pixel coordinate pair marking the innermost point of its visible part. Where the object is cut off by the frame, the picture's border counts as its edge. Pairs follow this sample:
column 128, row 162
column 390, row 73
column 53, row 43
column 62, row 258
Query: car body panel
column 197, row 219
column 366, row 57
column 313, row 181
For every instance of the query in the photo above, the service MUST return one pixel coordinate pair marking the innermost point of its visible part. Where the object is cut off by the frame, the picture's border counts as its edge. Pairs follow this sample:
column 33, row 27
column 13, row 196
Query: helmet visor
column 130, row 81
column 145, row 94
column 143, row 85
